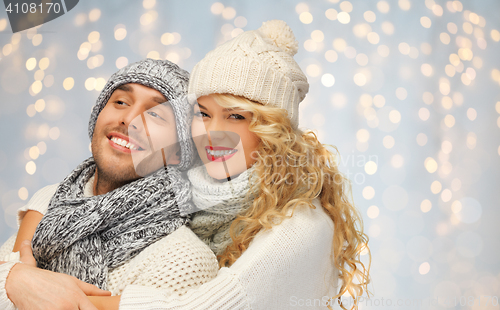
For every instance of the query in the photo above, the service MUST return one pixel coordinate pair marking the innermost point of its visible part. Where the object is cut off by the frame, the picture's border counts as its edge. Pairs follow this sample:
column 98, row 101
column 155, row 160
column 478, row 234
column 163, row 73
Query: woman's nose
column 215, row 136
column 215, row 131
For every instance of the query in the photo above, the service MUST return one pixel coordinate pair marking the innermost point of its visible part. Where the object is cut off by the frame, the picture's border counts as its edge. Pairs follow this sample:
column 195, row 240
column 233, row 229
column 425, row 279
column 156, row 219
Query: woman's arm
column 29, row 287
column 175, row 264
column 27, row 228
column 282, row 268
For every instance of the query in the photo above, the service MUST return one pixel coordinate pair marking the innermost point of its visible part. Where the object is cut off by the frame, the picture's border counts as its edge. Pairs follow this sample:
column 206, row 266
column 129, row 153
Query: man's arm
column 105, row 302
column 27, row 228
column 30, row 215
column 29, row 287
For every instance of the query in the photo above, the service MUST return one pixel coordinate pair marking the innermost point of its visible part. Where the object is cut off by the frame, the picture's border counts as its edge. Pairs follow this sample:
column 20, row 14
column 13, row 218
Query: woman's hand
column 29, row 287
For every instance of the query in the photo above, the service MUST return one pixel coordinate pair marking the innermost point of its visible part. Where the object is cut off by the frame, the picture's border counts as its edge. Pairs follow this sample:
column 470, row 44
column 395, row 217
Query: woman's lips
column 219, row 153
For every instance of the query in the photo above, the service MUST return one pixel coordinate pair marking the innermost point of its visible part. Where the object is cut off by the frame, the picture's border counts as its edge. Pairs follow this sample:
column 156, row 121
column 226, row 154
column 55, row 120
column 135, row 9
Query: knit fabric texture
column 86, row 236
column 165, row 77
column 176, row 263
column 290, row 262
column 5, row 268
column 257, row 65
column 219, row 203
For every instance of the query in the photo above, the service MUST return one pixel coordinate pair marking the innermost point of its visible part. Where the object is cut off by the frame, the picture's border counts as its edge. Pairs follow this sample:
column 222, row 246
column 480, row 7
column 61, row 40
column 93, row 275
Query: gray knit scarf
column 220, row 203
column 86, row 236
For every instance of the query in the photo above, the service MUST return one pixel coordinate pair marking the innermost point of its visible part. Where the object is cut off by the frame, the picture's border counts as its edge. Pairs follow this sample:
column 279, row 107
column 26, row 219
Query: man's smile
column 123, row 143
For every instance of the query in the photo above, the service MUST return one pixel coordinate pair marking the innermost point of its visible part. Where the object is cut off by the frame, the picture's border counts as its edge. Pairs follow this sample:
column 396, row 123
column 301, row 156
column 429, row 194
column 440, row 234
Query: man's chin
column 117, row 178
column 116, row 173
column 149, row 164
column 114, row 166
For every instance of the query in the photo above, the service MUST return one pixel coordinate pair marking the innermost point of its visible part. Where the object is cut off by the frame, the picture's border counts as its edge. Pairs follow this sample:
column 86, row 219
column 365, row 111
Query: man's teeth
column 124, row 143
column 221, row 152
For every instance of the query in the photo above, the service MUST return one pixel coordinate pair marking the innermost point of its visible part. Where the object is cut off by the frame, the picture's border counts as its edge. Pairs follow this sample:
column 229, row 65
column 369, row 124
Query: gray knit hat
column 168, row 79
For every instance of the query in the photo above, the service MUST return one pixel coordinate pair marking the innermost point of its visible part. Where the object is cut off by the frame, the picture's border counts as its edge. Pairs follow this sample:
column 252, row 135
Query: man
column 105, row 212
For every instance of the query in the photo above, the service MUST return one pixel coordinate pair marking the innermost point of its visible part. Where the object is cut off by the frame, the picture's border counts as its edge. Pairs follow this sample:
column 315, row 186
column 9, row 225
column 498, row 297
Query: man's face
column 136, row 128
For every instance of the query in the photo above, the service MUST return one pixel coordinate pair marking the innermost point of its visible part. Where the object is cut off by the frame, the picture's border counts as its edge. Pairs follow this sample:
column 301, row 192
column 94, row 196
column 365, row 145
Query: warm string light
column 418, row 118
column 463, row 63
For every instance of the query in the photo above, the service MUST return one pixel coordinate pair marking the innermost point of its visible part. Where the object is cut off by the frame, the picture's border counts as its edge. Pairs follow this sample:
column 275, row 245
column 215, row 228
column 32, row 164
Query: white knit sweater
column 287, row 267
column 175, row 263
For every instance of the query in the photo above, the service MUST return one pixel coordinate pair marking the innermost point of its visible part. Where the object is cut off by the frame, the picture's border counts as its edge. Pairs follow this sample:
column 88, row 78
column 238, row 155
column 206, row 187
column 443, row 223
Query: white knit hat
column 257, row 65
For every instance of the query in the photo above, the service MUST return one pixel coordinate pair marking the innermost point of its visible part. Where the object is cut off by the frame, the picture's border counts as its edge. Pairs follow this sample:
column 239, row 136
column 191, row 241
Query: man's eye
column 154, row 114
column 236, row 116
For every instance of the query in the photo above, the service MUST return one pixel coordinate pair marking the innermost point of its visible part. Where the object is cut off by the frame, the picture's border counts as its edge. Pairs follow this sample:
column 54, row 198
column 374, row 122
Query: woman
column 275, row 207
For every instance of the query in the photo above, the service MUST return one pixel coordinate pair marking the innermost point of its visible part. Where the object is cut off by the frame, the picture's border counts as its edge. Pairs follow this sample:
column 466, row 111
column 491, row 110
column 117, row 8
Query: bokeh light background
column 407, row 90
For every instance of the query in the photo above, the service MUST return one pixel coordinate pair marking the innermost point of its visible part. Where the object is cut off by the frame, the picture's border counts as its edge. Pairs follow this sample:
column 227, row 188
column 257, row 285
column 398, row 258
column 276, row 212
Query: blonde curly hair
column 293, row 168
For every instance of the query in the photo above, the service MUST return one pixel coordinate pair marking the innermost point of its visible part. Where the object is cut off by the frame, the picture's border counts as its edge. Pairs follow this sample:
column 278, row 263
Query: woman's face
column 222, row 138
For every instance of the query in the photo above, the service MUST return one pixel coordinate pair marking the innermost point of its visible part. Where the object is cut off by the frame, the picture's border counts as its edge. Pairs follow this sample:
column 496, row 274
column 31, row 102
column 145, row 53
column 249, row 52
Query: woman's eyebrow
column 235, row 110
column 225, row 109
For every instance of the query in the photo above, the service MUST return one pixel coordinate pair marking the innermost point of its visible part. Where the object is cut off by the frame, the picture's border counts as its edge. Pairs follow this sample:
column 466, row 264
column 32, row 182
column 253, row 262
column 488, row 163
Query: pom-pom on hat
column 165, row 77
column 257, row 65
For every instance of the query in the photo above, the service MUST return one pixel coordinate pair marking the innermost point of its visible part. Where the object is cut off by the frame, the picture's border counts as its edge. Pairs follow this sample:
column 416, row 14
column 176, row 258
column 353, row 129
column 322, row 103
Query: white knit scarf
column 220, row 203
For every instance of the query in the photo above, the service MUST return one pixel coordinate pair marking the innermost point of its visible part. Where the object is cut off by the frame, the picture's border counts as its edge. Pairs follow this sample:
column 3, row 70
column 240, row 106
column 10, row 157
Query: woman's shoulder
column 312, row 215
column 303, row 224
column 303, row 239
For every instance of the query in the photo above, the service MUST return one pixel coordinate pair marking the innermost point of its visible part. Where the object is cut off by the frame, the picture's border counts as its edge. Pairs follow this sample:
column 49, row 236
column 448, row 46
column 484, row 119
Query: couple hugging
column 180, row 206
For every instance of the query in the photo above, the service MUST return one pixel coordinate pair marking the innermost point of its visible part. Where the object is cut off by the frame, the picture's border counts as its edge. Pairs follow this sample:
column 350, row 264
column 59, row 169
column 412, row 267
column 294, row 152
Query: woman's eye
column 200, row 114
column 121, row 103
column 236, row 116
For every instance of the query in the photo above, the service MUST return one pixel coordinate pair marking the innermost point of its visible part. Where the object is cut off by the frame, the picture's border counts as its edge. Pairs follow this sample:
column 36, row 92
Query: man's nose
column 134, row 119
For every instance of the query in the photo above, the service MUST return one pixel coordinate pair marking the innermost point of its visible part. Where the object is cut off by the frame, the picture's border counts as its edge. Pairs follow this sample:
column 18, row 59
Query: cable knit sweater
column 175, row 263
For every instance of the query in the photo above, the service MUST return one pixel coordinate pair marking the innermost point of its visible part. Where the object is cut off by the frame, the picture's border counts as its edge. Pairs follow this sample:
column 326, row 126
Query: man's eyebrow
column 125, row 87
column 158, row 99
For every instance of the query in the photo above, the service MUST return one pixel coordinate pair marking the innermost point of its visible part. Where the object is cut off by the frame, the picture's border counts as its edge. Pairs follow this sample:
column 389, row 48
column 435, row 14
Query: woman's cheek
column 197, row 128
column 198, row 133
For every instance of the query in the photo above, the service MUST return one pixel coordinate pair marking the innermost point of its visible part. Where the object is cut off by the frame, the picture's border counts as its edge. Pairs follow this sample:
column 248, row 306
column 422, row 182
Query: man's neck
column 102, row 185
